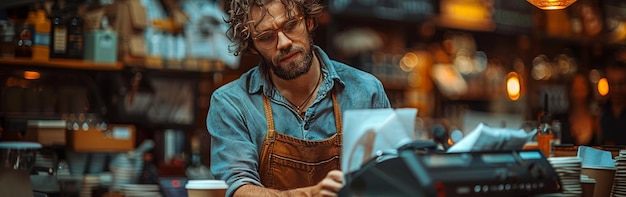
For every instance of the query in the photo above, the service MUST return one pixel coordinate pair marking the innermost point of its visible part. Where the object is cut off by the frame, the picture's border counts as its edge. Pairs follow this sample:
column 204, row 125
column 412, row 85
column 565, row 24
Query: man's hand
column 330, row 186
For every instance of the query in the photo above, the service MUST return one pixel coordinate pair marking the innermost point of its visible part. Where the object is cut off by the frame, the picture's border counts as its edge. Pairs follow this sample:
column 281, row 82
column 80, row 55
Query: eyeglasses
column 292, row 29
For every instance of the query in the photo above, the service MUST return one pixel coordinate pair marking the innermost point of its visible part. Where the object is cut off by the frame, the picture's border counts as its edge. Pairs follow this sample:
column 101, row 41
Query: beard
column 293, row 69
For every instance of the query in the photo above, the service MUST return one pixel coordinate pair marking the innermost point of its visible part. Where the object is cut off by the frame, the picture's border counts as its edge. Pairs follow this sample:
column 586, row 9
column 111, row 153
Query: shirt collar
column 260, row 78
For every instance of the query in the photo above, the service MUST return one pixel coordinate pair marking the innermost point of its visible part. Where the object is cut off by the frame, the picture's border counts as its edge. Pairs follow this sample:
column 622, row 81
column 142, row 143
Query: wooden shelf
column 62, row 63
column 8, row 4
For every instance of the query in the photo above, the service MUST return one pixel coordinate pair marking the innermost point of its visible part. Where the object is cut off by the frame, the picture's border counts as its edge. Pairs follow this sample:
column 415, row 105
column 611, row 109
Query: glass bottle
column 25, row 36
column 58, row 34
column 545, row 136
column 75, row 39
column 545, row 132
column 149, row 173
column 7, row 43
column 41, row 47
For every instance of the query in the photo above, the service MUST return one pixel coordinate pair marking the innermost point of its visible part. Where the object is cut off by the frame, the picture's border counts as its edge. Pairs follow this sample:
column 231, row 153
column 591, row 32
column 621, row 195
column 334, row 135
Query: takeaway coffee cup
column 604, row 177
column 206, row 188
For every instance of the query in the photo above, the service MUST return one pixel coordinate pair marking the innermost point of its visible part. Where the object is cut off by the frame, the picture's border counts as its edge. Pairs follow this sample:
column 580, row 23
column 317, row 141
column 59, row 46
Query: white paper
column 484, row 138
column 369, row 131
column 472, row 118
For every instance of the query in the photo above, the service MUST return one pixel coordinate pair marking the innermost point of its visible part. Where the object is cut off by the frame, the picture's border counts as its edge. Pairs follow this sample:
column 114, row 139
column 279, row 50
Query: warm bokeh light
column 409, row 61
column 31, row 75
column 467, row 10
column 541, row 71
column 464, row 64
column 594, row 76
column 466, row 14
column 513, row 86
column 541, row 68
column 552, row 4
column 603, row 87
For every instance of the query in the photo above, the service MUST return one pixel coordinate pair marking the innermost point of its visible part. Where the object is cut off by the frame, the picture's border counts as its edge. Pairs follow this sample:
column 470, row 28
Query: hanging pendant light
column 551, row 4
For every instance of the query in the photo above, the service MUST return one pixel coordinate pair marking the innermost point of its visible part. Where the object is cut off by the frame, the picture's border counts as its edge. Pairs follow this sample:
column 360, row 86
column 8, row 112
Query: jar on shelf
column 7, row 39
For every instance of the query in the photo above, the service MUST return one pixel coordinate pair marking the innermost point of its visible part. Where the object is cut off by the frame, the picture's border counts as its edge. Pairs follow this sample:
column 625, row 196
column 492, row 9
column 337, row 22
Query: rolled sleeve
column 234, row 156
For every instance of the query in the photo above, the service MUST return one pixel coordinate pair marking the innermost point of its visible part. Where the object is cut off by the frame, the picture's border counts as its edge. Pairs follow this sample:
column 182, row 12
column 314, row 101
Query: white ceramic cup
column 206, row 188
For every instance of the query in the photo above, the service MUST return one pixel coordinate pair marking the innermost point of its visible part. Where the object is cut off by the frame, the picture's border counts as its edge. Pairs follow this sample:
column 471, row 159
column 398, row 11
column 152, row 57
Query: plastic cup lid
column 19, row 145
column 206, row 184
column 599, row 167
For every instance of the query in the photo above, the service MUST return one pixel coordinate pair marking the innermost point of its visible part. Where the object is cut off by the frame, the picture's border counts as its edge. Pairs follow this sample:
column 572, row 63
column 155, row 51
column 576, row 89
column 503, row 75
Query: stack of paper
column 484, row 138
column 371, row 132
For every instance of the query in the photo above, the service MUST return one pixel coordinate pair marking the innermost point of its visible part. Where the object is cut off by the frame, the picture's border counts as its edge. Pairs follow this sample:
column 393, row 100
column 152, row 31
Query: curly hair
column 240, row 21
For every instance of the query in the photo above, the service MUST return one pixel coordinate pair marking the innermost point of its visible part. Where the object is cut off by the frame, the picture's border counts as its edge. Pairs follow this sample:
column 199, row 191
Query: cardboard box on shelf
column 129, row 19
column 138, row 15
column 46, row 132
column 117, row 138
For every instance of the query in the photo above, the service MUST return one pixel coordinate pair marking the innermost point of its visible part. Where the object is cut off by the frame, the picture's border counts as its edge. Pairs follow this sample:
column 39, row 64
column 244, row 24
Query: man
column 613, row 117
column 276, row 131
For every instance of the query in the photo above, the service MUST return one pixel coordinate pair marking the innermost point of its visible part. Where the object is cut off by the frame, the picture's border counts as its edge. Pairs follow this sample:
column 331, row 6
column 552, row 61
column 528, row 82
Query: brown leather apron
column 288, row 163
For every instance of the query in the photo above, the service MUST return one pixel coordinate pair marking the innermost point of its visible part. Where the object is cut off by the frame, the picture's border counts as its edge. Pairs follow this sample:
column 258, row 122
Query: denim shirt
column 237, row 124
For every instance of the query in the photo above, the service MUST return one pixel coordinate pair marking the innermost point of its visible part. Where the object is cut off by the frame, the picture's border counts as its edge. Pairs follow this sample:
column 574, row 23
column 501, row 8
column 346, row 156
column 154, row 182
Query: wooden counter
column 564, row 151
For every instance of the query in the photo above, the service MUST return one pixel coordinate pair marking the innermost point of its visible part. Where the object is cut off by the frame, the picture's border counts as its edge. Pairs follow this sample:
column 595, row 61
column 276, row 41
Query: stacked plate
column 89, row 182
column 77, row 162
column 123, row 174
column 125, row 170
column 141, row 190
column 45, row 160
column 568, row 169
column 619, row 183
column 106, row 178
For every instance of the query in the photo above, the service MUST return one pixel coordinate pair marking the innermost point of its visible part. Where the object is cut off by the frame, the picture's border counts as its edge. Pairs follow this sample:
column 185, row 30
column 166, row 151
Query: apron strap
column 270, row 136
column 268, row 142
column 337, row 112
column 338, row 122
